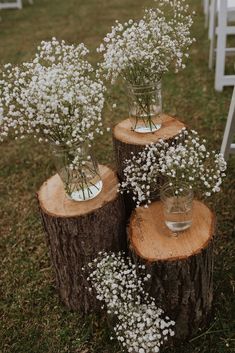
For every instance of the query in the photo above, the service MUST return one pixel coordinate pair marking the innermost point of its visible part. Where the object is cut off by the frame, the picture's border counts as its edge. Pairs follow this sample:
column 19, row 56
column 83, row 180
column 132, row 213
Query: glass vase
column 78, row 170
column 177, row 207
column 145, row 107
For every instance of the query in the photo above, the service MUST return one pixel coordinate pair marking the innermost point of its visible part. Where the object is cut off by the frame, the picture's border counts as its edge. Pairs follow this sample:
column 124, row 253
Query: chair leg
column 206, row 12
column 19, row 3
column 212, row 25
column 204, row 6
column 212, row 6
column 221, row 46
column 229, row 129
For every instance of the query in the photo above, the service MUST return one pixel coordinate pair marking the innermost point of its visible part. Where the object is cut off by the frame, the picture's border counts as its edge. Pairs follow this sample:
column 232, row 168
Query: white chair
column 17, row 4
column 223, row 29
column 213, row 8
column 227, row 146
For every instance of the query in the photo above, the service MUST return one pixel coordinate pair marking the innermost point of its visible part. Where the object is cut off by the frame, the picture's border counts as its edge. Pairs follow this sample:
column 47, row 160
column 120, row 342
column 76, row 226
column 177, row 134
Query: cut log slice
column 181, row 267
column 77, row 231
column 126, row 141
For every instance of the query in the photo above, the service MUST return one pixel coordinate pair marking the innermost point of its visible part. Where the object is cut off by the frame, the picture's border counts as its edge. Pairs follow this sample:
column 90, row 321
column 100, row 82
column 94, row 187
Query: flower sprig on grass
column 142, row 51
column 56, row 97
column 184, row 161
column 119, row 284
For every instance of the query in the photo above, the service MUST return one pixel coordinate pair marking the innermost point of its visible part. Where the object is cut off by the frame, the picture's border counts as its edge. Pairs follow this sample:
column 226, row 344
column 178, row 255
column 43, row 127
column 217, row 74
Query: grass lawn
column 32, row 318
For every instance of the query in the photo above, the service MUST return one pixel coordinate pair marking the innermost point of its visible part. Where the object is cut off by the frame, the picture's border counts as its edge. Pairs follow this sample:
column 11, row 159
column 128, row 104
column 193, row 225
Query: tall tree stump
column 126, row 141
column 181, row 267
column 77, row 231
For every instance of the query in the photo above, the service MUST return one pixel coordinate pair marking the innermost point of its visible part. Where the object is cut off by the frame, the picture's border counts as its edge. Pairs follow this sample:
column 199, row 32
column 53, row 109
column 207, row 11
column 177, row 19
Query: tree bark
column 77, row 231
column 126, row 141
column 181, row 267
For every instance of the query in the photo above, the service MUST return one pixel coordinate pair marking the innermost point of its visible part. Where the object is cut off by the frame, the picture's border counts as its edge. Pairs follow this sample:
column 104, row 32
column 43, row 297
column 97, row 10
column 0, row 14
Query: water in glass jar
column 177, row 221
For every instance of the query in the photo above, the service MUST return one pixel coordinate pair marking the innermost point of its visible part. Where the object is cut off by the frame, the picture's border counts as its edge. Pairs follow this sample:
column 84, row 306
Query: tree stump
column 126, row 141
column 181, row 267
column 77, row 231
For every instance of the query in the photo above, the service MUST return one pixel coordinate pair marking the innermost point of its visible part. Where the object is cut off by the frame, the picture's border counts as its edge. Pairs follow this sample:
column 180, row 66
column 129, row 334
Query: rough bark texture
column 184, row 289
column 126, row 142
column 74, row 241
column 182, row 286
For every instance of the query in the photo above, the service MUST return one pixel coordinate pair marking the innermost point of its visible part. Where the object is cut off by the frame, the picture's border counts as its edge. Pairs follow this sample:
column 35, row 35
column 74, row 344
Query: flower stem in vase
column 145, row 107
column 78, row 171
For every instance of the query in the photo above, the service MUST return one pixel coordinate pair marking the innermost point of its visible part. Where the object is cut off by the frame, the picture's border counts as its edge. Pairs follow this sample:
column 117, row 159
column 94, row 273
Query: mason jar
column 78, row 170
column 177, row 207
column 145, row 107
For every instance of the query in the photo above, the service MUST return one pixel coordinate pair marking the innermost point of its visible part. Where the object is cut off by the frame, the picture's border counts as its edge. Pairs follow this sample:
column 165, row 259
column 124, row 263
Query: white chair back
column 224, row 28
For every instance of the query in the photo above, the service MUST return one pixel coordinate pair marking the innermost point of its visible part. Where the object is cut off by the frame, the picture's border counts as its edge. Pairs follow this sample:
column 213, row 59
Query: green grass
column 32, row 318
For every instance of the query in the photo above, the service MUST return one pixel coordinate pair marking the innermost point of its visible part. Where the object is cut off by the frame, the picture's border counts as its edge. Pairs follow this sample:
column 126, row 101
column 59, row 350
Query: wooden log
column 181, row 267
column 77, row 231
column 126, row 141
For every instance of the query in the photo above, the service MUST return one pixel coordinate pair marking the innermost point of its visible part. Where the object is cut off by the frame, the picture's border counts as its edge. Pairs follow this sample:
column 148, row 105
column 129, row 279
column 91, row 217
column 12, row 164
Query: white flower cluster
column 185, row 161
column 141, row 173
column 141, row 51
column 140, row 325
column 188, row 161
column 55, row 97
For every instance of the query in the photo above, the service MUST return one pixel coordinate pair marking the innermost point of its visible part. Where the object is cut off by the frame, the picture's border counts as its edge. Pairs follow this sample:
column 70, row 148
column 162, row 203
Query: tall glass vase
column 145, row 107
column 78, row 170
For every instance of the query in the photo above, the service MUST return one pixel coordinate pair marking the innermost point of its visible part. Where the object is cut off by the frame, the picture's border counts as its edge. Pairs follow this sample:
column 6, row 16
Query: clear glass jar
column 78, row 170
column 178, row 207
column 145, row 107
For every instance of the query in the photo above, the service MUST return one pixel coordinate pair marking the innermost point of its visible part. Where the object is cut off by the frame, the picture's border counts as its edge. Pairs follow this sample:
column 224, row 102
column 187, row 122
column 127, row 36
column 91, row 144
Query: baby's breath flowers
column 188, row 161
column 56, row 97
column 141, row 173
column 185, row 161
column 142, row 51
column 141, row 326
